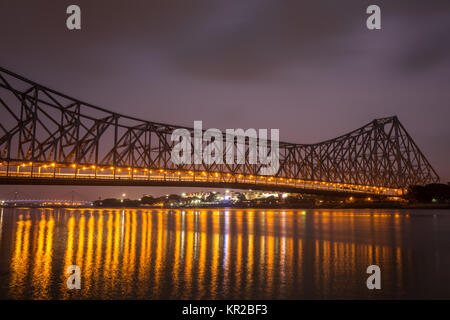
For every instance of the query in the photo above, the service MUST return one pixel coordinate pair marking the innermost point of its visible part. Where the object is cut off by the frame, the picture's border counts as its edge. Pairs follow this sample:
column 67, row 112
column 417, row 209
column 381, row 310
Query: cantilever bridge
column 47, row 137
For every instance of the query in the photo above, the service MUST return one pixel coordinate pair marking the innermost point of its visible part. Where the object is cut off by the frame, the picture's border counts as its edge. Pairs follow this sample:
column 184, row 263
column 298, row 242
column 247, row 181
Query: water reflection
column 211, row 254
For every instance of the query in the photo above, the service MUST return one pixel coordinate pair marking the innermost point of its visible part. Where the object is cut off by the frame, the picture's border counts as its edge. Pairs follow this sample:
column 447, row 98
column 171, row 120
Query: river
column 224, row 254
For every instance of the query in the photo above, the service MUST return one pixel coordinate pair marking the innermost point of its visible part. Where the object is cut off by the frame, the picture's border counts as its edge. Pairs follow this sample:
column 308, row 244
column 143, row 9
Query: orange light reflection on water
column 197, row 253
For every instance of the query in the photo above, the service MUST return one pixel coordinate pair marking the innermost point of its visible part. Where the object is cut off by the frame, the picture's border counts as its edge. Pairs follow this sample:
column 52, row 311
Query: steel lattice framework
column 43, row 127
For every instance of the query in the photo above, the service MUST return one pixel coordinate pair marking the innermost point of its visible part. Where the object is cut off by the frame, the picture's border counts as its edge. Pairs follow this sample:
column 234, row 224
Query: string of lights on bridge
column 13, row 169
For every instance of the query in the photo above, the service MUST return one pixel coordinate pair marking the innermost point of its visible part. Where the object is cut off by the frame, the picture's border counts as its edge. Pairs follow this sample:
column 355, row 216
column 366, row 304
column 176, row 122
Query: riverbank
column 347, row 206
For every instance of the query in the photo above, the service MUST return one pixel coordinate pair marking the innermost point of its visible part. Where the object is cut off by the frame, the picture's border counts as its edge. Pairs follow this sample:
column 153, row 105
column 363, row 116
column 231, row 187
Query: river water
column 224, row 254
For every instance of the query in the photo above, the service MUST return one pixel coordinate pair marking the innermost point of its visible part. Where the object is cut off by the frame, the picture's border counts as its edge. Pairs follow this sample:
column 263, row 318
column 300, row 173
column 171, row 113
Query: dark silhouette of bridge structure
column 49, row 138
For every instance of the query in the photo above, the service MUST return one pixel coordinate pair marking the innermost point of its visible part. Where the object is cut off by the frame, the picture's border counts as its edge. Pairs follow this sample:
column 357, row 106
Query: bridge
column 49, row 138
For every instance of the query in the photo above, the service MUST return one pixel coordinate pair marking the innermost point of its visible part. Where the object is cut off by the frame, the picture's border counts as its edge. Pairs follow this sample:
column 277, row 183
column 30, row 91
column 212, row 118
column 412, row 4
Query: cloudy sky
column 310, row 68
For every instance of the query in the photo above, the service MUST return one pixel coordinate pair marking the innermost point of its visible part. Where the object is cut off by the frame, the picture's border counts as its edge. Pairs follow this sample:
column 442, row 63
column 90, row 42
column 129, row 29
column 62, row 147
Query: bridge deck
column 62, row 174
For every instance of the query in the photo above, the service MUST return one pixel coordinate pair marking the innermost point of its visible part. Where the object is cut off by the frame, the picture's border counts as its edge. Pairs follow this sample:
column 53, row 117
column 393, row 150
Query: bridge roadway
column 72, row 174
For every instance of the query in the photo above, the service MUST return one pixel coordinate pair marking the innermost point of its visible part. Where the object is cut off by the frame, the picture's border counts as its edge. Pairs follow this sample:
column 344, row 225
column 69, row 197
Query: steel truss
column 42, row 126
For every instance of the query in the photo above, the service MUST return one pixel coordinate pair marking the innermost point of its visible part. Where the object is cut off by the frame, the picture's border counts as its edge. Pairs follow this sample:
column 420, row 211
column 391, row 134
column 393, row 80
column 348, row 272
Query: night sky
column 310, row 68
